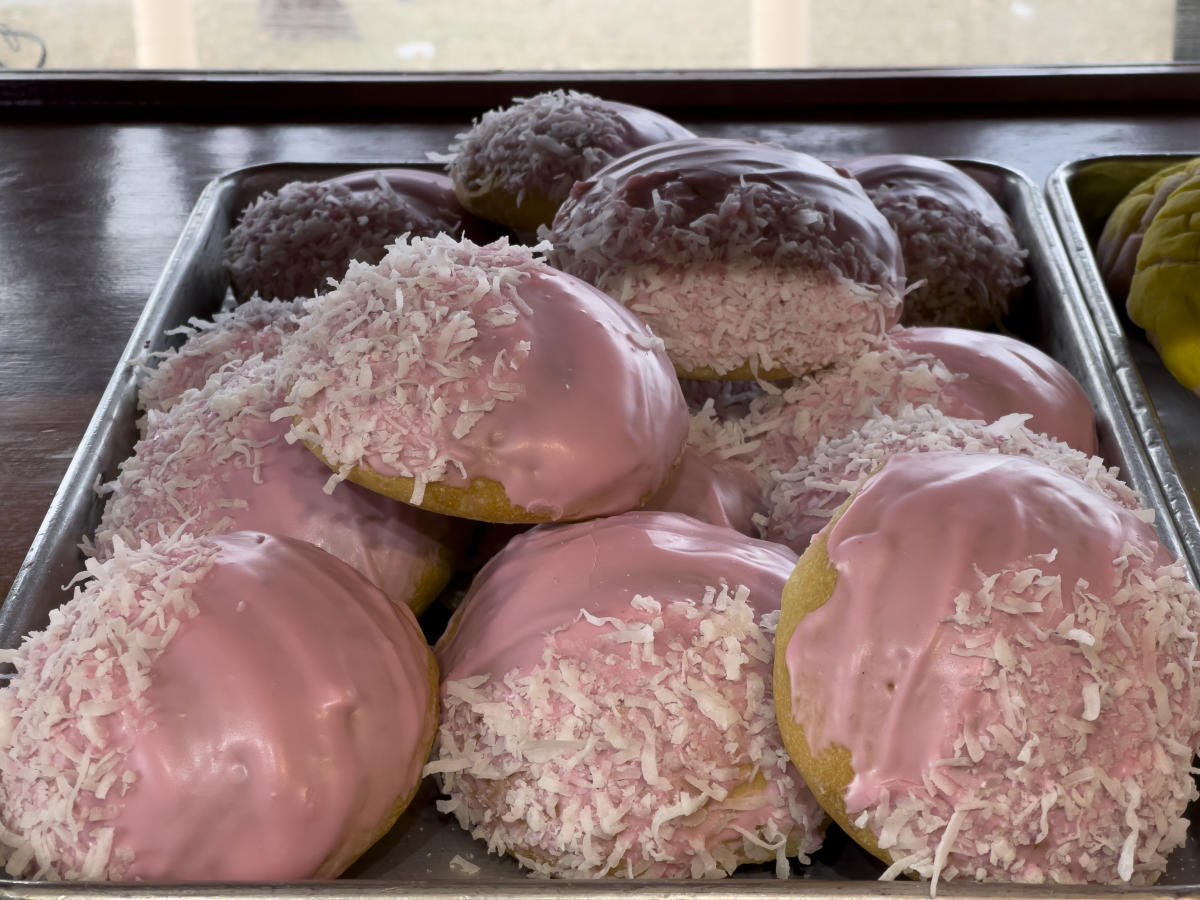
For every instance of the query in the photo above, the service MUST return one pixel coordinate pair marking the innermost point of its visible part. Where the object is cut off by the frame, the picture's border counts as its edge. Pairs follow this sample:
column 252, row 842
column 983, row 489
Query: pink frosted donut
column 290, row 243
column 966, row 374
column 748, row 259
column 480, row 382
column 1005, row 661
column 805, row 498
column 517, row 164
column 606, row 706
column 996, row 375
column 256, row 327
column 242, row 707
column 960, row 251
column 215, row 462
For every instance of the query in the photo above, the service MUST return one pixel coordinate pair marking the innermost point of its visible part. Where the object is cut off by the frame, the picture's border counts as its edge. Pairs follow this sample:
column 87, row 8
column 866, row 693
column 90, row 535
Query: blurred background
column 475, row 35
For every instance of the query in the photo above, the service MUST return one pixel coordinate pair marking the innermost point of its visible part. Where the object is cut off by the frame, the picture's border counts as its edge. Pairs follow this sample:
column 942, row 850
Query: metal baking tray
column 423, row 854
column 1081, row 195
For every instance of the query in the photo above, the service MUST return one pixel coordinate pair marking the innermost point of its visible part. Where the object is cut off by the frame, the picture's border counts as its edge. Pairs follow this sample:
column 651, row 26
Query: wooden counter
column 98, row 174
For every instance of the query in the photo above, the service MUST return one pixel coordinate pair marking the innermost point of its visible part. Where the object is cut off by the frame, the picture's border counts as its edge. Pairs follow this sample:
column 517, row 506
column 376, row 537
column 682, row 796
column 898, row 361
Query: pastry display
column 243, row 707
column 606, row 703
column 290, row 242
column 748, row 259
column 727, row 555
column 962, row 258
column 480, row 382
column 1164, row 295
column 985, row 669
column 516, row 165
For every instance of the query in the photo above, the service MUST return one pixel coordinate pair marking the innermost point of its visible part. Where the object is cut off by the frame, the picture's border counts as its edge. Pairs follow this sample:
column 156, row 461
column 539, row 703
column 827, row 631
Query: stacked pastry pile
column 730, row 550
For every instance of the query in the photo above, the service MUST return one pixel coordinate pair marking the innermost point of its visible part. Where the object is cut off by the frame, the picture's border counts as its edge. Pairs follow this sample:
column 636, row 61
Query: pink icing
column 665, row 555
column 215, row 463
column 616, row 673
column 510, row 371
column 988, row 611
column 998, row 375
column 290, row 708
column 718, row 491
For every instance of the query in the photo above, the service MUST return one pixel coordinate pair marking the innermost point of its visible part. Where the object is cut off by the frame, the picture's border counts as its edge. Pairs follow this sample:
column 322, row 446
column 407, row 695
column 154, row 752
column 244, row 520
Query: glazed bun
column 985, row 669
column 480, row 382
column 243, row 707
column 606, row 706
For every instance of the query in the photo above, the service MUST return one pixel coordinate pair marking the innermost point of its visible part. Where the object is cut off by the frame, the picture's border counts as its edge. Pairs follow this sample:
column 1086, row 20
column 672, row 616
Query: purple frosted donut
column 517, row 164
column 960, row 250
column 290, row 243
column 748, row 259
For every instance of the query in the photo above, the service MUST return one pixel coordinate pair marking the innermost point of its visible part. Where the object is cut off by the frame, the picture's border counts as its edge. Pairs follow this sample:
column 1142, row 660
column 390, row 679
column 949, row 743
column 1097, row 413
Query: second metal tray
column 1081, row 195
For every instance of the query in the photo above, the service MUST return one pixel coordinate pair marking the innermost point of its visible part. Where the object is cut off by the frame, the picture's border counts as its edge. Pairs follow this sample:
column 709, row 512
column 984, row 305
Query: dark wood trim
column 757, row 93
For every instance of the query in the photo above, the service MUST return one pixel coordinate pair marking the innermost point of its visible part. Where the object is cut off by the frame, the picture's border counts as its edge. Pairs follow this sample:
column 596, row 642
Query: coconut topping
column 449, row 361
column 202, row 674
column 214, row 462
column 965, row 374
column 255, row 328
column 289, row 243
column 549, row 141
column 784, row 262
column 805, row 497
column 606, row 703
column 960, row 252
column 1023, row 699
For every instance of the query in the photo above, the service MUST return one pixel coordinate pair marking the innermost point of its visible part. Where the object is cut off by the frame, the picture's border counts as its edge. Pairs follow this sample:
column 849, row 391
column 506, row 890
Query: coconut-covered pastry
column 480, row 382
column 606, row 706
column 290, row 242
column 516, row 164
column 216, row 461
column 243, row 707
column 804, row 498
column 985, row 669
column 1164, row 296
column 229, row 338
column 748, row 259
column 963, row 261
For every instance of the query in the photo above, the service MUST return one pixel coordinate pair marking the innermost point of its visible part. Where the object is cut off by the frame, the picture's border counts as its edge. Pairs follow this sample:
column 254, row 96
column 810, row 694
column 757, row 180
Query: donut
column 805, row 497
column 965, row 374
column 986, row 669
column 1121, row 238
column 961, row 255
column 996, row 374
column 748, row 259
column 515, row 165
column 288, row 243
column 215, row 462
column 254, row 328
column 1163, row 297
column 242, row 707
column 480, row 382
column 606, row 707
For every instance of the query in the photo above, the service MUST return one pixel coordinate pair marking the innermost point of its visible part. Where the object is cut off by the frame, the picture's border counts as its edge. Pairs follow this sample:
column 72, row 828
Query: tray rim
column 1115, row 338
